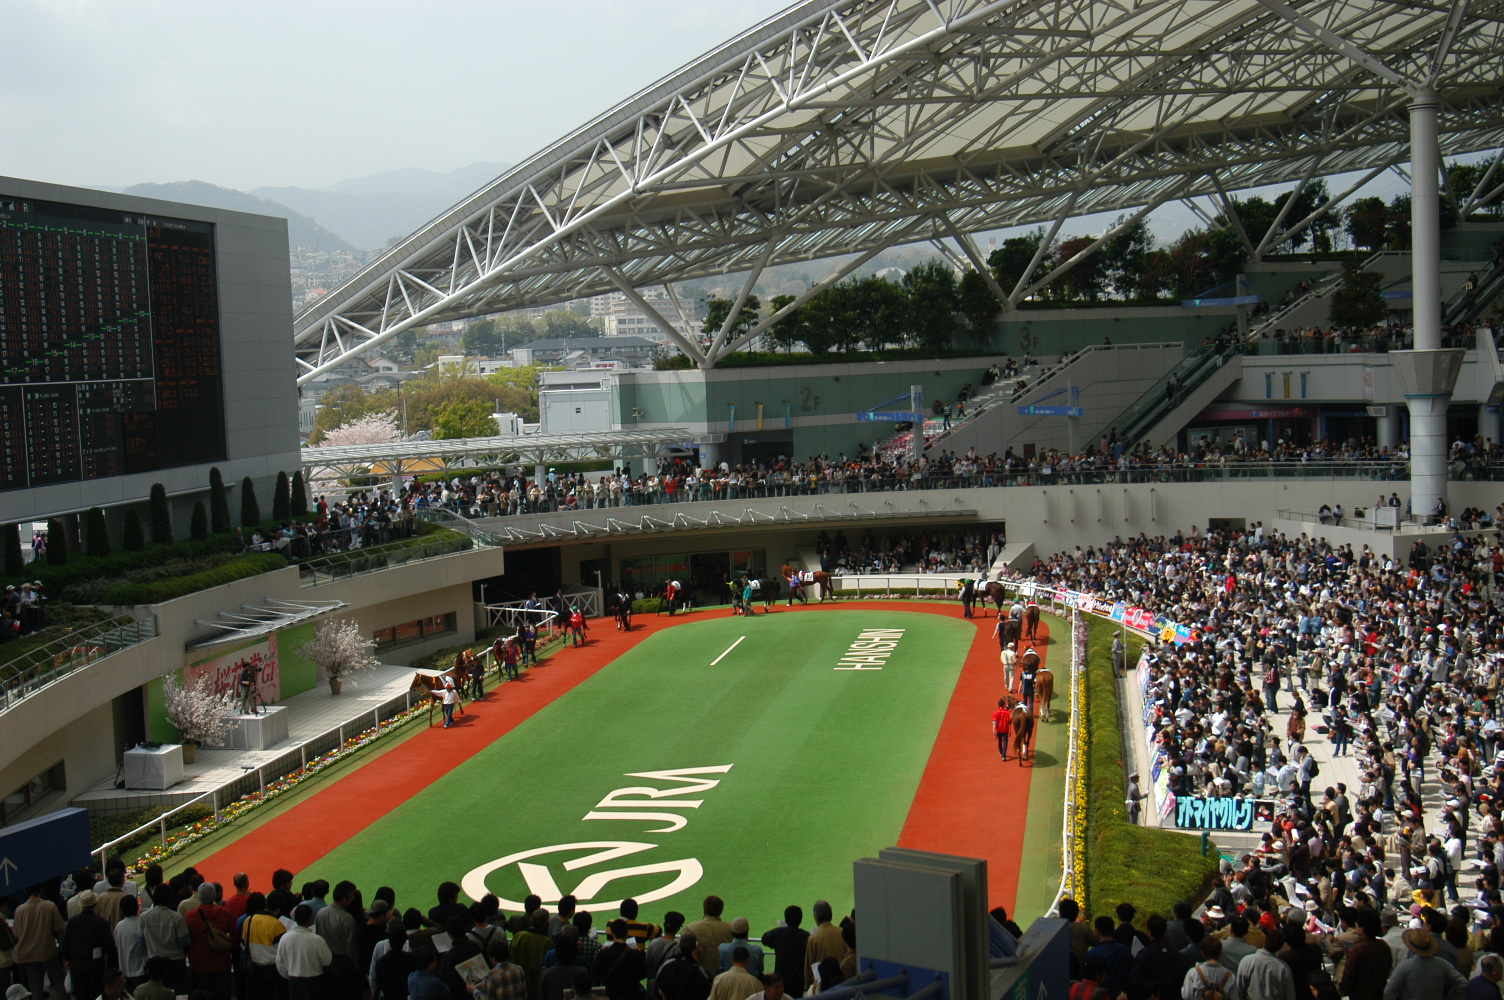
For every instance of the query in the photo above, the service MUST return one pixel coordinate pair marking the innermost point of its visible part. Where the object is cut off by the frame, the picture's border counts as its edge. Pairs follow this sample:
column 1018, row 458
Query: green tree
column 96, row 533
column 1368, row 223
column 787, row 332
column 464, row 419
column 1157, row 280
column 281, row 498
column 1358, row 302
column 1255, row 213
column 1318, row 233
column 975, row 301
column 1123, row 258
column 161, row 516
column 1399, row 222
column 930, row 290
column 1085, row 281
column 57, row 543
column 560, row 323
column 198, row 526
column 1009, row 261
column 299, row 495
column 250, row 510
column 717, row 309
column 483, row 338
column 219, row 504
column 10, row 543
column 132, row 535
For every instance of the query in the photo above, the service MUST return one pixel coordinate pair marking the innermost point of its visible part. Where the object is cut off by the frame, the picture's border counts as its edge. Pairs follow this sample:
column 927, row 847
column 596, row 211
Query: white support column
column 1426, row 373
column 1425, row 221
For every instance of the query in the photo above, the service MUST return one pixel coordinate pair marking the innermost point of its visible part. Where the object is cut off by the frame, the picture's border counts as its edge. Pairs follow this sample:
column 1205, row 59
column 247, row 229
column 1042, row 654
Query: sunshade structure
column 408, row 457
column 843, row 127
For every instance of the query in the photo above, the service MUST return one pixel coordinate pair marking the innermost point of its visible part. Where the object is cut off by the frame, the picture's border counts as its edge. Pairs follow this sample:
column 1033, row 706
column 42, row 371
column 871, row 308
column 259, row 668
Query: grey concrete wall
column 260, row 390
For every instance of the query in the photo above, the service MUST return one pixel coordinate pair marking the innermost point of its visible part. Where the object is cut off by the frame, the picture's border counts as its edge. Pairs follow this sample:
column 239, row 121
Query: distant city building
column 621, row 317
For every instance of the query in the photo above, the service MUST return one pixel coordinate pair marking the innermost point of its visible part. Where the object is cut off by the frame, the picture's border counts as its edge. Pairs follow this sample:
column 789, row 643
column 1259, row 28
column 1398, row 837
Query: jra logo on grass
column 635, row 803
column 871, row 649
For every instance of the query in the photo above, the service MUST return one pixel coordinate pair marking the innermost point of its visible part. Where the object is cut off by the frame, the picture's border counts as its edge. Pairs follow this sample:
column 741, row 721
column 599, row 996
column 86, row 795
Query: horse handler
column 968, row 595
column 577, row 626
column 1002, row 719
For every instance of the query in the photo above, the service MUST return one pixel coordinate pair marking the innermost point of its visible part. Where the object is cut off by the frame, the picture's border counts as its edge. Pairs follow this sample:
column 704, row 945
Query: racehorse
column 991, row 592
column 623, row 612
column 1012, row 631
column 1022, row 731
column 798, row 581
column 766, row 588
column 1044, row 692
column 431, row 684
column 1031, row 620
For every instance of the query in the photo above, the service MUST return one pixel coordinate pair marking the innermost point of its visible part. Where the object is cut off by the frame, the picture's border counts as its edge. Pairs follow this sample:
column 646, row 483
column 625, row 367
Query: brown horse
column 431, row 685
column 1022, row 732
column 1044, row 693
column 992, row 592
column 1012, row 631
column 1031, row 620
column 798, row 582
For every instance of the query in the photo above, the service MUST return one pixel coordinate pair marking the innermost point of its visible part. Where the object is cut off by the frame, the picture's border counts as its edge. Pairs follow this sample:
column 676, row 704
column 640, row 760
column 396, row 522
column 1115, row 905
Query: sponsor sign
column 1217, row 813
column 223, row 670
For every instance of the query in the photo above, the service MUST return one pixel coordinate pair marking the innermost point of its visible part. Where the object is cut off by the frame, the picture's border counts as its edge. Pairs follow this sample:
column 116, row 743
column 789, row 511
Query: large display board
column 110, row 358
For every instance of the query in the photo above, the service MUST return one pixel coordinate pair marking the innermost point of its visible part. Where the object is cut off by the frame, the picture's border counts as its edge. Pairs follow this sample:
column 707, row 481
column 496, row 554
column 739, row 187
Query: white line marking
column 729, row 648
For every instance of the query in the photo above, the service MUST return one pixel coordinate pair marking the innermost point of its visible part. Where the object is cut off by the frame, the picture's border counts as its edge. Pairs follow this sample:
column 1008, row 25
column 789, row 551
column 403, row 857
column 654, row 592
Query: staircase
column 1464, row 307
column 900, row 446
column 1158, row 415
column 1309, row 309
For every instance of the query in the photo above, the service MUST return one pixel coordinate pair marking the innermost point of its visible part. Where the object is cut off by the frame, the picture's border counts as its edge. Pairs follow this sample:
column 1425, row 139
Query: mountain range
column 360, row 213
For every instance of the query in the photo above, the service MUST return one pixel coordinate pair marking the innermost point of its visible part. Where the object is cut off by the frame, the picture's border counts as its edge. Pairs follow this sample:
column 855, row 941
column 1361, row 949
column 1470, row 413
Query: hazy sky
column 277, row 92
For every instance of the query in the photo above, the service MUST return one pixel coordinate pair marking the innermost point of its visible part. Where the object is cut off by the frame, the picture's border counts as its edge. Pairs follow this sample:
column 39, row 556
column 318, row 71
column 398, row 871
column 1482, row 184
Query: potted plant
column 339, row 650
column 198, row 713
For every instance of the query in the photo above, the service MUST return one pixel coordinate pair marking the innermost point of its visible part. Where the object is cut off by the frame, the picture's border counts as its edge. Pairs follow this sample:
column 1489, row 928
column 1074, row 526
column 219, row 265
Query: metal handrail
column 36, row 668
column 372, row 559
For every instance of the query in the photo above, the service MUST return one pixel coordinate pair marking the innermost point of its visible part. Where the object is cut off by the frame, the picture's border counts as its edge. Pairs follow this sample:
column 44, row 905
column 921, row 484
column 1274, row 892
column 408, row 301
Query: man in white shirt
column 129, row 944
column 302, row 957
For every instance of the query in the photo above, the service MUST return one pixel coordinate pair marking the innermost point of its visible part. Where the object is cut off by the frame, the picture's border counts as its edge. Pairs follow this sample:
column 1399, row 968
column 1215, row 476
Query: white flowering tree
column 373, row 428
column 339, row 650
column 199, row 714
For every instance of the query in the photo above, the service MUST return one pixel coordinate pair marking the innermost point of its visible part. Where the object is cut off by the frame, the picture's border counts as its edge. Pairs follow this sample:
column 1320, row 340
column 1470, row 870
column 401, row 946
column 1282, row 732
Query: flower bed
column 1152, row 869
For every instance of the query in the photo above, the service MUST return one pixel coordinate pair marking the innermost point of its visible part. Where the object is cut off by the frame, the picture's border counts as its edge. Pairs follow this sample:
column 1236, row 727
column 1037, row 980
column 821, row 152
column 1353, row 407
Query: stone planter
column 335, row 683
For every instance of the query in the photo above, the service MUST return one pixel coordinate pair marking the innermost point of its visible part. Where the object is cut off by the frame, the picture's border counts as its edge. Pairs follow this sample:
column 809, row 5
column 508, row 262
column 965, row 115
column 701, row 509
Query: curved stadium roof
column 848, row 126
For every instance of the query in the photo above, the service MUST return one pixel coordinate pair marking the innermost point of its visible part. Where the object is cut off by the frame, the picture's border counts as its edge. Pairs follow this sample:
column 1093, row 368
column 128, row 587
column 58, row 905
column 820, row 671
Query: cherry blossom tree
column 373, row 428
column 339, row 650
column 198, row 713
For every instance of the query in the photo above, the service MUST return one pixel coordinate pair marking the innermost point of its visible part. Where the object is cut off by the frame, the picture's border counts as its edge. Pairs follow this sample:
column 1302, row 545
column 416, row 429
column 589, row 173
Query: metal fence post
column 162, row 823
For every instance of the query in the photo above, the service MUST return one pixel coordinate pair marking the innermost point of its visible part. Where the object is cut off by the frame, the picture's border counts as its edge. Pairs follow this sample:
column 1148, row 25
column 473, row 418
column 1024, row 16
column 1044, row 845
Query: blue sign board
column 1225, row 300
column 1397, row 293
column 1050, row 411
column 43, row 848
column 898, row 416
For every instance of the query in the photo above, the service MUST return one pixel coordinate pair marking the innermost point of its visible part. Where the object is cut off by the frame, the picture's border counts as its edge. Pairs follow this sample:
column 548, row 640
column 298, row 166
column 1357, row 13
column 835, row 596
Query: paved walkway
column 309, row 715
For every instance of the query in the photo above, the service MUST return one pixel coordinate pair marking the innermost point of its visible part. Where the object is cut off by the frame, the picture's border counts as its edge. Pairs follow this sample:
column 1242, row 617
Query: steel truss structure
column 399, row 457
column 844, row 127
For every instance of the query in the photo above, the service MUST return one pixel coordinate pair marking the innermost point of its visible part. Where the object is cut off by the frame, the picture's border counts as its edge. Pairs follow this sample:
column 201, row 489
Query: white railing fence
column 1073, row 847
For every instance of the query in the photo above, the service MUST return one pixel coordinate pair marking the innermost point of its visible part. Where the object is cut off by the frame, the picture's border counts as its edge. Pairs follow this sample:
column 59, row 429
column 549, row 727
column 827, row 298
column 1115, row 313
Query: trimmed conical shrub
column 132, row 535
column 161, row 516
column 198, row 528
column 97, row 538
column 219, row 506
column 250, row 510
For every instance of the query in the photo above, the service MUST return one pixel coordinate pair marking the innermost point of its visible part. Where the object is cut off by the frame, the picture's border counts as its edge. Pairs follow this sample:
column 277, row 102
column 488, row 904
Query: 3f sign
column 541, row 881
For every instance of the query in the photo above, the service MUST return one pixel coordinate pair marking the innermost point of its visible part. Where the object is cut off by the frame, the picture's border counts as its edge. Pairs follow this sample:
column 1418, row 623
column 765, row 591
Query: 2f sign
column 542, row 882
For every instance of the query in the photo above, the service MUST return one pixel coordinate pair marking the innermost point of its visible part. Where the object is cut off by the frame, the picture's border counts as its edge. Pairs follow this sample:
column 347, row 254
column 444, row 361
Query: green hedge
column 649, row 606
column 1151, row 868
column 178, row 586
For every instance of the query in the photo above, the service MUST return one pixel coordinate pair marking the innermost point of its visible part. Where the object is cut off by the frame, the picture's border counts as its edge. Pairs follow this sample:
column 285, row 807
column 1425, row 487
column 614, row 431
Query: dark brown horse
column 1031, row 620
column 1012, row 631
column 431, row 685
column 992, row 592
column 798, row 582
column 1022, row 732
